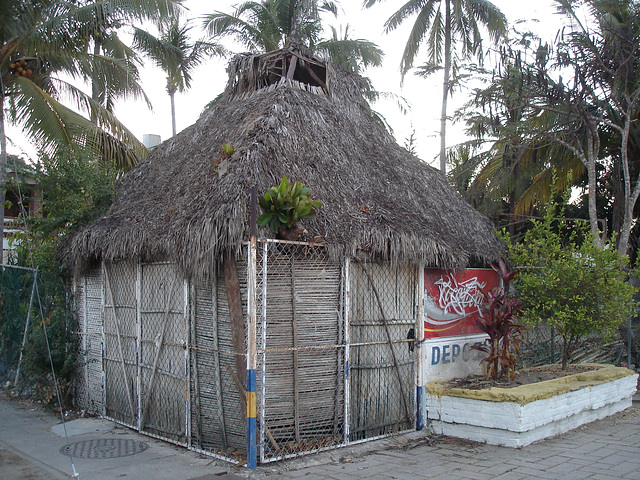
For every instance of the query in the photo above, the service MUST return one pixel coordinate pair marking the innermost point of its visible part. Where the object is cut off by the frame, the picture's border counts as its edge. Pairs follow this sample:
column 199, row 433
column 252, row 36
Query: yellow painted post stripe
column 251, row 404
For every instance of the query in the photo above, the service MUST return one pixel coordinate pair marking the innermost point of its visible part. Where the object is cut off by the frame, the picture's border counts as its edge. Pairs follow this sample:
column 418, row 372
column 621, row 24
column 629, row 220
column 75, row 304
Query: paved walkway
column 30, row 443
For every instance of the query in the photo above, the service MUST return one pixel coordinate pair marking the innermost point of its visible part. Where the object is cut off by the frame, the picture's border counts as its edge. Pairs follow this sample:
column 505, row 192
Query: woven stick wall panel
column 162, row 358
column 92, row 303
column 212, row 379
column 380, row 377
column 233, row 390
column 303, row 371
column 207, row 431
column 120, row 338
column 82, row 393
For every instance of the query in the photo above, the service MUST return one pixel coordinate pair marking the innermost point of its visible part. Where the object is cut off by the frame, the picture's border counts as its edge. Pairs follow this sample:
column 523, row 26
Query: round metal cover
column 104, row 448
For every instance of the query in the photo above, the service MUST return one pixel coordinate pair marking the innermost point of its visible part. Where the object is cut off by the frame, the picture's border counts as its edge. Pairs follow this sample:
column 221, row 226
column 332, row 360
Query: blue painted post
column 252, row 446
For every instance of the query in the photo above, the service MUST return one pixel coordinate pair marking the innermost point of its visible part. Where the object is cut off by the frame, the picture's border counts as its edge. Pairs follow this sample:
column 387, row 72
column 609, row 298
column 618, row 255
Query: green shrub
column 568, row 281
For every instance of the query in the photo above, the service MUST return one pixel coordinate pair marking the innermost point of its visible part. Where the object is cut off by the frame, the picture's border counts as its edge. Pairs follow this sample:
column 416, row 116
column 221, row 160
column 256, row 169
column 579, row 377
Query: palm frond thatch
column 376, row 197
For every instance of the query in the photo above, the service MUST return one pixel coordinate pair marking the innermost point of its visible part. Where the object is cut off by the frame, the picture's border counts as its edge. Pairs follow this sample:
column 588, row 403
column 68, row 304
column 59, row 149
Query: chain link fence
column 333, row 361
column 382, row 315
column 544, row 345
column 301, row 353
column 37, row 334
column 15, row 294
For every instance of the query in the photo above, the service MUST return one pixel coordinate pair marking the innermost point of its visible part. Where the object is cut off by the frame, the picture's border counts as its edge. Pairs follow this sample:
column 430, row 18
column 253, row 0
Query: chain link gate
column 335, row 363
column 300, row 336
column 163, row 370
column 120, row 340
column 382, row 315
column 145, row 354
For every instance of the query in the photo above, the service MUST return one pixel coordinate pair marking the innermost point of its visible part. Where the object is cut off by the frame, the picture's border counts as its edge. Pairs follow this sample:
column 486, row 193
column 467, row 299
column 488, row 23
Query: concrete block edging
column 517, row 419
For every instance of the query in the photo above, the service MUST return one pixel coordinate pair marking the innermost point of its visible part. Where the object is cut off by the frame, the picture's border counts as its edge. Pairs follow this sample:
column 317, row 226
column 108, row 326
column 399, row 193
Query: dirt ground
column 13, row 467
column 523, row 377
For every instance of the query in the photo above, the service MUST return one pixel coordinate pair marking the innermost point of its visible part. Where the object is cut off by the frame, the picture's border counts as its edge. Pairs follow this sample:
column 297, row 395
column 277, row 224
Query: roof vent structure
column 249, row 72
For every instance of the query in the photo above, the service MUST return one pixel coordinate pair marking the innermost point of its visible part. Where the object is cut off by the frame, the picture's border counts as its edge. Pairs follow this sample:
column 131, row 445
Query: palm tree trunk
column 95, row 94
column 445, row 88
column 173, row 112
column 593, row 147
column 631, row 194
column 3, row 168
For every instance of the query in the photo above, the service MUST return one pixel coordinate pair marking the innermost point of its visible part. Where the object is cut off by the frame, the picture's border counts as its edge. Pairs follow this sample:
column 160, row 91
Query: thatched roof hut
column 286, row 113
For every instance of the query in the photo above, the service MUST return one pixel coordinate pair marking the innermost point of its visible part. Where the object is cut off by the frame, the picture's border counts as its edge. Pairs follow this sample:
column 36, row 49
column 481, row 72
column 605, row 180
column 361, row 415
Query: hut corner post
column 252, row 449
column 418, row 350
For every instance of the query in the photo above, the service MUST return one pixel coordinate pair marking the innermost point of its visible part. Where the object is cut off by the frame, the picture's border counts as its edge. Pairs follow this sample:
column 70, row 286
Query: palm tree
column 267, row 25
column 97, row 25
column 444, row 24
column 176, row 55
column 41, row 44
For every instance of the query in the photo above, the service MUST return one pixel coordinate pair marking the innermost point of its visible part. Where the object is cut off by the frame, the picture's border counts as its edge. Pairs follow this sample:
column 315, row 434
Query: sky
column 422, row 95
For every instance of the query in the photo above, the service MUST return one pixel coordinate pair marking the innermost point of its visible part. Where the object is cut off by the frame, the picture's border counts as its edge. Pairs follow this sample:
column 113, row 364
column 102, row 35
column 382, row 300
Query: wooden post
column 252, row 450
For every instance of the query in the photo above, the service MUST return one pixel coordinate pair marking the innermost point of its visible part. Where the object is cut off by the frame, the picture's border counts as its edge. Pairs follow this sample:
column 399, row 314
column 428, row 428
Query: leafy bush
column 569, row 282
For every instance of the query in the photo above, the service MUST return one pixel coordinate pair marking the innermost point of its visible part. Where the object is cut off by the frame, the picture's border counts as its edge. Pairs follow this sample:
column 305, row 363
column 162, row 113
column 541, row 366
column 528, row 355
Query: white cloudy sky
column 424, row 96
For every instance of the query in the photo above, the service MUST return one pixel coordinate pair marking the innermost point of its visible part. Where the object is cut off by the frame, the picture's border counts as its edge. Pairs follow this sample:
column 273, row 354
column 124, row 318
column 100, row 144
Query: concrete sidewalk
column 31, row 440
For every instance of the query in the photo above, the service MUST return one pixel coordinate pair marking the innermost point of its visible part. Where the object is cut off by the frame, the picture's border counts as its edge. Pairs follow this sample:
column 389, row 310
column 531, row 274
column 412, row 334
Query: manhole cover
column 104, row 448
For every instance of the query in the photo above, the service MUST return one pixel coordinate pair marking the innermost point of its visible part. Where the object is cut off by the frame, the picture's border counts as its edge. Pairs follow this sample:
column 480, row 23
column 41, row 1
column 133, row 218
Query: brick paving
column 605, row 449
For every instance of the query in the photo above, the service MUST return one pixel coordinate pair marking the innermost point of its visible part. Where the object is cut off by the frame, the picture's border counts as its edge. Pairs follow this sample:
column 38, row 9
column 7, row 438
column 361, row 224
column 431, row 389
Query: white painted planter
column 518, row 416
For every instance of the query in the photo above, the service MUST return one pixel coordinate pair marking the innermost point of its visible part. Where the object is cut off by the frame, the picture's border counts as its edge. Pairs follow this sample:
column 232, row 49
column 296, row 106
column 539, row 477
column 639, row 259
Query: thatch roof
column 376, row 197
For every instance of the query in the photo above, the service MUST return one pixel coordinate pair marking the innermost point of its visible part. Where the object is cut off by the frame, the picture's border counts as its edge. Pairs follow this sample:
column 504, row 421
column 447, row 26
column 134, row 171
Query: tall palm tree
column 444, row 24
column 97, row 25
column 267, row 25
column 176, row 54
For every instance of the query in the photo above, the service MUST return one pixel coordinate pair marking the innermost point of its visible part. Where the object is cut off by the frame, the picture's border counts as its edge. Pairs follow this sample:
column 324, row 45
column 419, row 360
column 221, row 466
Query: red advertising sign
column 452, row 300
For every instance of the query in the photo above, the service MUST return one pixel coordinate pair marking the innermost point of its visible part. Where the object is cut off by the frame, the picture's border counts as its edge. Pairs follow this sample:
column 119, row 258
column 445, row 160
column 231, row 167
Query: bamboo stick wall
column 301, row 351
column 89, row 301
column 314, row 319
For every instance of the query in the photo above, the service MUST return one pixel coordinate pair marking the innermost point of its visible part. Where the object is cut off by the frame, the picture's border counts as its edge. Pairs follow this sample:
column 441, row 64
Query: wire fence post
column 26, row 325
column 419, row 339
column 629, row 338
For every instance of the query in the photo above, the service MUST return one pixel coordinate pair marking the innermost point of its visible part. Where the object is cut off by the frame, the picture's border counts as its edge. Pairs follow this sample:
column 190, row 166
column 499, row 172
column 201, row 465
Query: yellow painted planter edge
column 535, row 391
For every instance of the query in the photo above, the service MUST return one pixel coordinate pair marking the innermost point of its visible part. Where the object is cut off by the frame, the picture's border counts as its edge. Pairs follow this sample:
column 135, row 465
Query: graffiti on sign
column 453, row 300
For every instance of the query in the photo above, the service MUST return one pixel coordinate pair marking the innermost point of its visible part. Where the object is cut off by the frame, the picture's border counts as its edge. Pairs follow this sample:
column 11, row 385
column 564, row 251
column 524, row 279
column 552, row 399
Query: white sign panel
column 445, row 358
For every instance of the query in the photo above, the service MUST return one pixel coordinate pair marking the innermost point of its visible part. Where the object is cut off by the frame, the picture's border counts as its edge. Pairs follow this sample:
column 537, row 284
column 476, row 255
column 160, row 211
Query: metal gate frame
column 412, row 388
column 143, row 389
column 257, row 351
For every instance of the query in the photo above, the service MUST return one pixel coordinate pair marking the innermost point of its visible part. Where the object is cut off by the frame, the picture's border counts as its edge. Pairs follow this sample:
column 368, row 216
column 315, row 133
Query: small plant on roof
column 286, row 204
column 500, row 321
